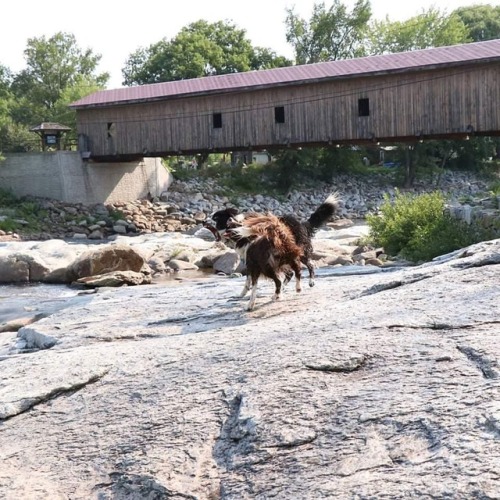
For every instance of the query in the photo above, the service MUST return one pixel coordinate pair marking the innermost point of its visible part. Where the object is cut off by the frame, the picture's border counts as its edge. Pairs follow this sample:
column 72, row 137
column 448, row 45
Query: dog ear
column 232, row 211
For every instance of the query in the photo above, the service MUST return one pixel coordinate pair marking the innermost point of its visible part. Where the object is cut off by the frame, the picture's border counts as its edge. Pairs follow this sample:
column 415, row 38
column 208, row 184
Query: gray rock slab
column 381, row 385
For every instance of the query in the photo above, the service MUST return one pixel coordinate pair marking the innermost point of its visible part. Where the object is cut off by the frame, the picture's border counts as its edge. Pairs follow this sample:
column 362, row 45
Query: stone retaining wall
column 64, row 176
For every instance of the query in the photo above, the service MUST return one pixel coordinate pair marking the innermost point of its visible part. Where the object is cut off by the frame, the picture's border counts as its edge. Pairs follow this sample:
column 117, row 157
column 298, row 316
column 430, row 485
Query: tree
column 331, row 34
column 482, row 21
column 5, row 93
column 199, row 49
column 53, row 65
column 431, row 28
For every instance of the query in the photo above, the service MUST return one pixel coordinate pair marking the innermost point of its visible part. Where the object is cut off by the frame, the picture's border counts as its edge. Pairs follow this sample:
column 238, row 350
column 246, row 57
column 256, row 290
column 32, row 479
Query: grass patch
column 17, row 209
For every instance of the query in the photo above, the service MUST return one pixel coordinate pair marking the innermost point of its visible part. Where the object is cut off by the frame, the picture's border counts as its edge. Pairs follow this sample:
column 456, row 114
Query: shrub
column 9, row 225
column 417, row 227
column 20, row 208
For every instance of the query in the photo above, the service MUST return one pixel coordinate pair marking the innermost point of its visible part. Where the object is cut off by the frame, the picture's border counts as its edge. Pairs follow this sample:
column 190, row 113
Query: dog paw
column 276, row 297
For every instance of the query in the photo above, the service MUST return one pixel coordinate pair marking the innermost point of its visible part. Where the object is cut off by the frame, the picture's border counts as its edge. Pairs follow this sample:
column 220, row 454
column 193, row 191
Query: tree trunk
column 409, row 167
column 202, row 160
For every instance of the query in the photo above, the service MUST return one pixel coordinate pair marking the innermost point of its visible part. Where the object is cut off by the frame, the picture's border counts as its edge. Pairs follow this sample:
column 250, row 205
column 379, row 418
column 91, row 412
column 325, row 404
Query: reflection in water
column 18, row 301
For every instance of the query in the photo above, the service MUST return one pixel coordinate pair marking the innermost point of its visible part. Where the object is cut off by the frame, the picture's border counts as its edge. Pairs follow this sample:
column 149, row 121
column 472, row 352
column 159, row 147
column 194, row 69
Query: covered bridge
column 445, row 92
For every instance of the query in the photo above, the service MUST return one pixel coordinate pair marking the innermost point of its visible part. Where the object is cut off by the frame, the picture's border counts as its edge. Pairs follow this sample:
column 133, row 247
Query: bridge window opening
column 111, row 130
column 279, row 114
column 364, row 107
column 217, row 120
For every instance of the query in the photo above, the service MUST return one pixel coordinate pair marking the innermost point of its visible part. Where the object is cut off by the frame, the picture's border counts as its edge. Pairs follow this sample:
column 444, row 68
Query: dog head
column 222, row 217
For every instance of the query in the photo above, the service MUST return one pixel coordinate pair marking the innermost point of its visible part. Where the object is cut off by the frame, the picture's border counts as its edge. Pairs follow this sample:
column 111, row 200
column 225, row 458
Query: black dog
column 228, row 219
column 271, row 249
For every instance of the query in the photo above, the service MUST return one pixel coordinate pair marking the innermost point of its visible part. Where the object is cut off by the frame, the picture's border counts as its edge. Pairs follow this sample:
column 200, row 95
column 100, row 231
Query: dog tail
column 324, row 212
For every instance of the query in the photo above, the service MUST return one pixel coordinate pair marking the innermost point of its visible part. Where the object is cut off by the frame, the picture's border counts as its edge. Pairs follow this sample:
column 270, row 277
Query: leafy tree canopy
column 57, row 72
column 53, row 65
column 199, row 49
column 5, row 93
column 431, row 28
column 482, row 21
column 331, row 33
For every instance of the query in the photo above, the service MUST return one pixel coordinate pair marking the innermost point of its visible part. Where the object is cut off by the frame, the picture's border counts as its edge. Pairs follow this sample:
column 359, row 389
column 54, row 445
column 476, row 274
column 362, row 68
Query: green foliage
column 472, row 154
column 9, row 225
column 430, row 29
column 20, row 209
column 116, row 215
column 7, row 199
column 53, row 65
column 58, row 72
column 240, row 179
column 199, row 49
column 16, row 138
column 332, row 33
column 290, row 168
column 417, row 227
column 482, row 21
column 494, row 188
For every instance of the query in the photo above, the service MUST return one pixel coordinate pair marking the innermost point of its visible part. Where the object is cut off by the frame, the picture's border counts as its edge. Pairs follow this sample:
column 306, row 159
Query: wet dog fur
column 271, row 249
column 303, row 231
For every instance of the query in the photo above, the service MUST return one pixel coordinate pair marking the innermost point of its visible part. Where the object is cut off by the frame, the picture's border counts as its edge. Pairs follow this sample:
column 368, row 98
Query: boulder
column 13, row 270
column 106, row 259
column 227, row 263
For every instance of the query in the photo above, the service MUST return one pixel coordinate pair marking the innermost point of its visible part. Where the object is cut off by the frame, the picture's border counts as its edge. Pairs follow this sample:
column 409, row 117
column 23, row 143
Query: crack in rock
column 487, row 366
column 237, row 435
column 382, row 287
column 442, row 326
column 347, row 364
column 14, row 408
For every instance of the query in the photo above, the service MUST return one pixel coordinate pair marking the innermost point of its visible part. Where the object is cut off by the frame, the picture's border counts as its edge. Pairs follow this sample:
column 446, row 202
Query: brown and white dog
column 303, row 231
column 271, row 249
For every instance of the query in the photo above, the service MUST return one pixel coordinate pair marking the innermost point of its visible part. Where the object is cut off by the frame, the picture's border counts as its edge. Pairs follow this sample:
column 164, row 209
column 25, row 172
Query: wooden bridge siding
column 437, row 102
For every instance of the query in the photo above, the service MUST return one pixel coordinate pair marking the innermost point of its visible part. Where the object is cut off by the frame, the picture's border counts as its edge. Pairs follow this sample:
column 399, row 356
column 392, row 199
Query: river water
column 18, row 301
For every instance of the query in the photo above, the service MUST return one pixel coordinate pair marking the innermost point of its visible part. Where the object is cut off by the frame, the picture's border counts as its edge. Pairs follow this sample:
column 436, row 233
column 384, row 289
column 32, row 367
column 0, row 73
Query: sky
column 115, row 29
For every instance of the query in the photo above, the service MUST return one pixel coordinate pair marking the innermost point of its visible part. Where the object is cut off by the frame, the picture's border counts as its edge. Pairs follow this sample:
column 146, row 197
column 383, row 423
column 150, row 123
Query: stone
column 115, row 278
column 120, row 229
column 227, row 263
column 363, row 386
column 13, row 270
column 104, row 260
column 181, row 265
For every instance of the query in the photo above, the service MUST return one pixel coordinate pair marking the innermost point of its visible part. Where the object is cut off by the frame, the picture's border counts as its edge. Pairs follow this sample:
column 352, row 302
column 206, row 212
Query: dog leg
column 310, row 268
column 253, row 296
column 277, row 290
column 288, row 277
column 246, row 287
column 297, row 271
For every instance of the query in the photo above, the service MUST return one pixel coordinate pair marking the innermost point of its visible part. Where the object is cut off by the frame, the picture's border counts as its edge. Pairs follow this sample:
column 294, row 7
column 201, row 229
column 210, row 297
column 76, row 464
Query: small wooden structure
column 50, row 134
column 445, row 92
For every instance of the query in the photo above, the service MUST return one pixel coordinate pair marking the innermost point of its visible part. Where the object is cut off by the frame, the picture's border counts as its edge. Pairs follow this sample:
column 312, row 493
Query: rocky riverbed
column 187, row 204
column 380, row 385
column 380, row 382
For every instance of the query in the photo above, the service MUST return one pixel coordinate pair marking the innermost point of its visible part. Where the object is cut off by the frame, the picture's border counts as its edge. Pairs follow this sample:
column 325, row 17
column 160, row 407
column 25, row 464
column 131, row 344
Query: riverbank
column 187, row 204
column 380, row 385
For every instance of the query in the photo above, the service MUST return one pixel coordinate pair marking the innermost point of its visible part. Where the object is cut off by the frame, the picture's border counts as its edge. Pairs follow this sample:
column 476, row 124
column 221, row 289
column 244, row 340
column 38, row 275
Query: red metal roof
column 401, row 61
